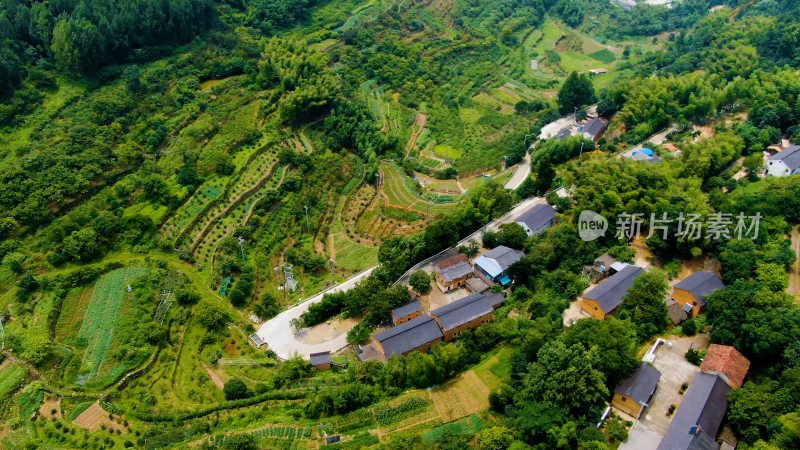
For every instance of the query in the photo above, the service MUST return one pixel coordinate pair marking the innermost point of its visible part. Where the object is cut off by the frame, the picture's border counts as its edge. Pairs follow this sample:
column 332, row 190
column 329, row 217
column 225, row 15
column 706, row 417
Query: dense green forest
column 167, row 166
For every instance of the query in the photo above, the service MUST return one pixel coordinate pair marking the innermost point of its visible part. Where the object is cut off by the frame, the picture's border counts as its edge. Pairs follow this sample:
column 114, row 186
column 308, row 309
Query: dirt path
column 419, row 126
column 794, row 274
column 460, row 187
column 214, row 377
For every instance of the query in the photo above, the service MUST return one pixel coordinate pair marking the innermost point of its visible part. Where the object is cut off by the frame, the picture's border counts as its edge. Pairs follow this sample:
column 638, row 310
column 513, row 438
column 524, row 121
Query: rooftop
column 700, row 284
column 595, row 126
column 320, row 358
column 727, row 361
column 407, row 309
column 699, row 415
column 498, row 259
column 609, row 293
column 455, row 271
column 641, row 385
column 538, row 216
column 451, row 261
column 790, row 156
column 466, row 309
column 409, row 335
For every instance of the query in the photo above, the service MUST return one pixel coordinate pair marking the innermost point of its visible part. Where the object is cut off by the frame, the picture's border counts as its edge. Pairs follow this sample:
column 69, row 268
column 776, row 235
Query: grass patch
column 11, row 377
column 467, row 426
column 101, row 316
column 447, row 151
column 605, row 56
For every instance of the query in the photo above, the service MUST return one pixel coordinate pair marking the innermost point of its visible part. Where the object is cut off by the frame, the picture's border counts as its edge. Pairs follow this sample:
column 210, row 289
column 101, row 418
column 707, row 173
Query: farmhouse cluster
column 462, row 298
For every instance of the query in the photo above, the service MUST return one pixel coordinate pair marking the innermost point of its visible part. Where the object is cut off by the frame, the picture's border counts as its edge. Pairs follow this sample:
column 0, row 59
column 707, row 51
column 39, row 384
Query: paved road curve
column 281, row 337
column 521, row 173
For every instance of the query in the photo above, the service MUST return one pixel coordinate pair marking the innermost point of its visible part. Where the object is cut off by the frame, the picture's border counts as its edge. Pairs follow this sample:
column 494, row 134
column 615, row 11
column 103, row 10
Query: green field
column 11, row 376
column 400, row 192
column 102, row 312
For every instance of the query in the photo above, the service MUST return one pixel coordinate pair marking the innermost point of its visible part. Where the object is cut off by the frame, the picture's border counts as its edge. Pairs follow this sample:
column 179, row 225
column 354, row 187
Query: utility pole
column 581, row 154
column 308, row 229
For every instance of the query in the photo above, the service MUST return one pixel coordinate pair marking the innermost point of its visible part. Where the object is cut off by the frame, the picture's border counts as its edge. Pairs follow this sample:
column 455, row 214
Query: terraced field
column 399, row 191
column 254, row 175
column 100, row 319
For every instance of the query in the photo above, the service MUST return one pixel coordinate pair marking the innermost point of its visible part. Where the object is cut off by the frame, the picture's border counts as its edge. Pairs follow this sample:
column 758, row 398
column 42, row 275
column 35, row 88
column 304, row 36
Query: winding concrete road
column 521, row 173
column 282, row 338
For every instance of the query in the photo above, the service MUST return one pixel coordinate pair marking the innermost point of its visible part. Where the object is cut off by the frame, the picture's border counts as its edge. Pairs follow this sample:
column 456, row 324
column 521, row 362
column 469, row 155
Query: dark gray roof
column 320, row 358
column 701, row 284
column 563, row 134
column 609, row 293
column 595, row 126
column 455, row 271
column 790, row 156
column 407, row 309
column 409, row 335
column 703, row 405
column 504, row 256
column 466, row 309
column 641, row 385
column 540, row 216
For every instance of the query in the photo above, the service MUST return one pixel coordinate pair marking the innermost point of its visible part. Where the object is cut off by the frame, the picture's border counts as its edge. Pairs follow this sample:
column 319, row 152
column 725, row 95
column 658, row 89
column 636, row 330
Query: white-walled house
column 785, row 162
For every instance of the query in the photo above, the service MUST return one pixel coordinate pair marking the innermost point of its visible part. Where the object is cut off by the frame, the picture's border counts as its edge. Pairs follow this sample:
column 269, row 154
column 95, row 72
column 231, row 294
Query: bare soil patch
column 331, row 329
column 95, row 417
column 51, row 408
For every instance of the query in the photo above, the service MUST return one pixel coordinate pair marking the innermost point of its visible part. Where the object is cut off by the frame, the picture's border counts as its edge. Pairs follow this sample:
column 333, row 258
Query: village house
column 492, row 265
column 727, row 362
column 452, row 276
column 321, row 360
column 466, row 314
column 605, row 298
column 407, row 312
column 537, row 219
column 595, row 128
column 691, row 293
column 699, row 416
column 633, row 395
column 697, row 421
column 417, row 334
column 785, row 162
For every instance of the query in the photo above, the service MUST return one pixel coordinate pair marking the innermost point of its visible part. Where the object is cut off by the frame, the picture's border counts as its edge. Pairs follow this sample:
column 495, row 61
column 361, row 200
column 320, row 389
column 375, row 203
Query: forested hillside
column 176, row 173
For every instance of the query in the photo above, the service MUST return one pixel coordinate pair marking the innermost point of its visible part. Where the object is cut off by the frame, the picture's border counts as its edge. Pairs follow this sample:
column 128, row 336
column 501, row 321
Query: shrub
column 694, row 357
column 235, row 389
column 689, row 327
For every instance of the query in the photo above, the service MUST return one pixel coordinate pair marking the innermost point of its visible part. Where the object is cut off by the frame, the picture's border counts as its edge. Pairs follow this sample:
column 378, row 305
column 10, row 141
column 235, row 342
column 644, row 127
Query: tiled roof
column 595, row 126
column 701, row 284
column 407, row 309
column 320, row 358
column 609, row 293
column 455, row 271
column 451, row 261
column 641, row 385
column 466, row 309
column 698, row 418
column 498, row 259
column 790, row 156
column 726, row 360
column 409, row 335
column 538, row 217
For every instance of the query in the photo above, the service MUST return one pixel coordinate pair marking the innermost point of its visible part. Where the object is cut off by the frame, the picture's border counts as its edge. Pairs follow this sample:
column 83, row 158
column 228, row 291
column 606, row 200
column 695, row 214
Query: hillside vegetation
column 167, row 166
